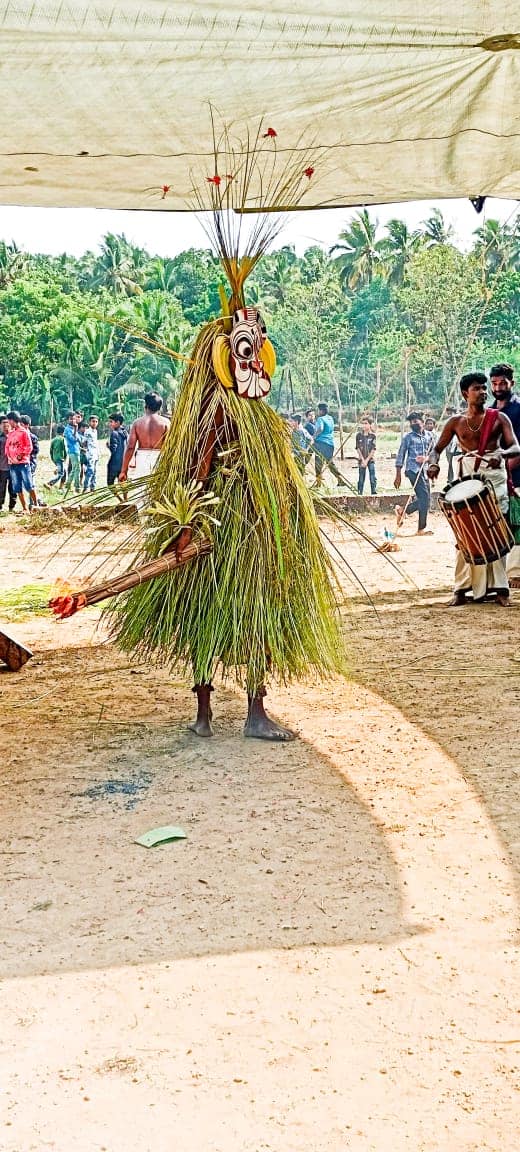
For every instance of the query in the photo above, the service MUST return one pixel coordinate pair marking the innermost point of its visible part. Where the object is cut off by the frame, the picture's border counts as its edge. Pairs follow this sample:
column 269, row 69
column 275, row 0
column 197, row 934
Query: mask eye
column 244, row 348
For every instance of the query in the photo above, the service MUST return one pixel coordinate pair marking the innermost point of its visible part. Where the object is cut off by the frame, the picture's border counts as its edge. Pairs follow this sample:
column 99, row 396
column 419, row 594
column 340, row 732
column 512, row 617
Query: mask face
column 248, row 335
column 416, row 427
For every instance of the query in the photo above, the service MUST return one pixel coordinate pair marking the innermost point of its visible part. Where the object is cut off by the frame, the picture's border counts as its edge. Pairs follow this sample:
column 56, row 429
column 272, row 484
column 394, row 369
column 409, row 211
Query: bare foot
column 202, row 724
column 201, row 727
column 424, row 532
column 263, row 728
column 503, row 601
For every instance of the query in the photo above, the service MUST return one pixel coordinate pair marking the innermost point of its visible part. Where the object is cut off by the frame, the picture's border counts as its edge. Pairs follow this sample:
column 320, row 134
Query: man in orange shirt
column 18, row 448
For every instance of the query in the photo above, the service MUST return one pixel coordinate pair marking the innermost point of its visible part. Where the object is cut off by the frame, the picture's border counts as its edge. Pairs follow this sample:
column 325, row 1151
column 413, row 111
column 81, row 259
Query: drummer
column 485, row 437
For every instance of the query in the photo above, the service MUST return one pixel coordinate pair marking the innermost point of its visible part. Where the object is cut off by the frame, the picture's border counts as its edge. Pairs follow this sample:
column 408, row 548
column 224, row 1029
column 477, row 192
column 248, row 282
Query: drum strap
column 488, row 426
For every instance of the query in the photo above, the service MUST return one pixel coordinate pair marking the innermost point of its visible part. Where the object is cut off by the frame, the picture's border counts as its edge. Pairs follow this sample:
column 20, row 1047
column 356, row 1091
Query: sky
column 77, row 230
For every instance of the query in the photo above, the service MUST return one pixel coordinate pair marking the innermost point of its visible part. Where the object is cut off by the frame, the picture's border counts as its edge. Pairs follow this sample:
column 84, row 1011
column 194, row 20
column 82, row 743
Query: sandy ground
column 329, row 961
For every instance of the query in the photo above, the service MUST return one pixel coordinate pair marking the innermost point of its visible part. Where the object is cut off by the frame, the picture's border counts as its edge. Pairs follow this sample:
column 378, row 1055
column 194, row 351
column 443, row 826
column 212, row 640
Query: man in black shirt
column 5, row 475
column 116, row 445
column 502, row 385
column 366, row 450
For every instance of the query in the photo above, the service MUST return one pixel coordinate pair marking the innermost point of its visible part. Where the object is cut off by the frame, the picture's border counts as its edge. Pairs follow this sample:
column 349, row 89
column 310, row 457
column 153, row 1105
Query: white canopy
column 106, row 104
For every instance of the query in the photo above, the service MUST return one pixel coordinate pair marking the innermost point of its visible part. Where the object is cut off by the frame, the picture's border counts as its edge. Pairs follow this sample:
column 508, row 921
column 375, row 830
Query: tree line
column 387, row 318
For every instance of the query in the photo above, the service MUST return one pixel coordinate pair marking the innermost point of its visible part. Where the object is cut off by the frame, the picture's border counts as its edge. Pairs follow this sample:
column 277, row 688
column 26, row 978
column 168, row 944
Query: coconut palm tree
column 115, row 268
column 399, row 245
column 279, row 274
column 435, row 229
column 497, row 246
column 160, row 273
column 359, row 254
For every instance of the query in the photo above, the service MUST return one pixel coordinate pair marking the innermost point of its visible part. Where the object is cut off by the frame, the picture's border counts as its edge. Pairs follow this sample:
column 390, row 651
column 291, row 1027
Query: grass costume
column 262, row 603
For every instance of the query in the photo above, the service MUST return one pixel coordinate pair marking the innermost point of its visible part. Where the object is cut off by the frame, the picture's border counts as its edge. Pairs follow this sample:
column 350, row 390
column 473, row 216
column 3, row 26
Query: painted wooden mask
column 245, row 360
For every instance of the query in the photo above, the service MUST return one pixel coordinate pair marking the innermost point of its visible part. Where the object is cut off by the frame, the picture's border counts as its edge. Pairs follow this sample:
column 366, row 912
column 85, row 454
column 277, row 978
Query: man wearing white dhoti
column 146, row 438
column 485, row 436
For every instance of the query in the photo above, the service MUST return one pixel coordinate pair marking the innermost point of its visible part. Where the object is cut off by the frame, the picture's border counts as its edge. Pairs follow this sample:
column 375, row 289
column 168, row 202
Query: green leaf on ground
column 163, row 835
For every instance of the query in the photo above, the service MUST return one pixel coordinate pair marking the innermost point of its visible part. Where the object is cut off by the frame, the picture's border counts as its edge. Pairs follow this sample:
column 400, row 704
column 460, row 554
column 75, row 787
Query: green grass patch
column 29, row 600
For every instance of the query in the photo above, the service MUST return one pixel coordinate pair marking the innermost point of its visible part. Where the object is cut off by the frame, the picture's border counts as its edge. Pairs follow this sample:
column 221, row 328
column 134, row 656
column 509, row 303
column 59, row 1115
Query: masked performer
column 485, row 437
column 263, row 603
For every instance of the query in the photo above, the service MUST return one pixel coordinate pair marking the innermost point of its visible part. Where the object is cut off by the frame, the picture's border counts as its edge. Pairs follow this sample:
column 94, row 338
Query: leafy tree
column 311, row 332
column 197, row 276
column 442, row 300
column 12, row 263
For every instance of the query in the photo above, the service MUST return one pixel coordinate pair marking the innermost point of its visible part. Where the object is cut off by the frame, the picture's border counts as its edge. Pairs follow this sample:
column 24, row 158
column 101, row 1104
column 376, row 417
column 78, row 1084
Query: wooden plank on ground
column 12, row 653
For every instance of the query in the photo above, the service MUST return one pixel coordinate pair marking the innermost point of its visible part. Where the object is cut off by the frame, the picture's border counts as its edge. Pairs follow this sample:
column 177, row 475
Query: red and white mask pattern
column 248, row 334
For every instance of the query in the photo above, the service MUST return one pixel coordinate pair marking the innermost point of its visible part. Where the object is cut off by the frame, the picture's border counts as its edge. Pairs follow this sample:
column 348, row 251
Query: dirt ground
column 329, row 960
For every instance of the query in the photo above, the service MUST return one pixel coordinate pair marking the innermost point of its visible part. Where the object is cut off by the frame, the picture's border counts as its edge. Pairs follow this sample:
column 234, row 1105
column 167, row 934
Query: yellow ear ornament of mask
column 268, row 358
column 220, row 357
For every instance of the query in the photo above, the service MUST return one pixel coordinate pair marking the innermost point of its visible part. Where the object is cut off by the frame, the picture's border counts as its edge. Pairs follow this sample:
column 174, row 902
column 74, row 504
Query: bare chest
column 469, row 432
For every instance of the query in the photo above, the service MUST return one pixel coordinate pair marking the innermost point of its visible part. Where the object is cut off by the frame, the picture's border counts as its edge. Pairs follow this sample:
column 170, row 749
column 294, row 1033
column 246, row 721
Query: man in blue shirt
column 71, row 438
column 412, row 455
column 323, row 444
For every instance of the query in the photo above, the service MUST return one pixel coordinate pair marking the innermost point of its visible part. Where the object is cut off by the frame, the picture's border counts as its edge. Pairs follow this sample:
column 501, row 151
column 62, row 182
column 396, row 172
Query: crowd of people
column 475, row 435
column 74, row 452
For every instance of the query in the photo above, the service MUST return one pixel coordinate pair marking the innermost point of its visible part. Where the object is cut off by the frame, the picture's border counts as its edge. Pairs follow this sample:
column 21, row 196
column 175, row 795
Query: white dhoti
column 145, row 461
column 483, row 578
column 513, row 558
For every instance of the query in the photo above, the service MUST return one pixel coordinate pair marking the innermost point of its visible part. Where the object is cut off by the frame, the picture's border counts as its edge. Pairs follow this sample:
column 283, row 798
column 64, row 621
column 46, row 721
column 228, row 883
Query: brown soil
column 329, row 960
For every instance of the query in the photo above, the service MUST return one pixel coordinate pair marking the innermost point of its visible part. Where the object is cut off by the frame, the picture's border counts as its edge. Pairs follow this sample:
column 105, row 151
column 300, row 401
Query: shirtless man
column 147, row 436
column 501, row 442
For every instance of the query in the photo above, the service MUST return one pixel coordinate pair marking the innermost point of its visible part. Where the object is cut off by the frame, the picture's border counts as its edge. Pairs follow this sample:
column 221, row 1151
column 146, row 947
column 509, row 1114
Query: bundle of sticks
column 66, row 601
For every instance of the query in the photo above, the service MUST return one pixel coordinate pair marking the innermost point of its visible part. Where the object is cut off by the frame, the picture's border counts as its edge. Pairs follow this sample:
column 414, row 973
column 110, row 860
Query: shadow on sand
column 280, row 850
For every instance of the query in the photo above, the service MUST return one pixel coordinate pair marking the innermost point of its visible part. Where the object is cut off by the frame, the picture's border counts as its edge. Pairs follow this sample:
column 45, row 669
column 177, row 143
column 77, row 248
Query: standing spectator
column 429, row 424
column 300, row 441
column 92, row 453
column 323, row 444
column 26, row 422
column 413, row 453
column 502, row 386
column 310, row 422
column 82, row 439
column 366, row 450
column 72, row 445
column 116, row 445
column 453, row 447
column 58, row 455
column 18, row 448
column 147, row 436
column 5, row 478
